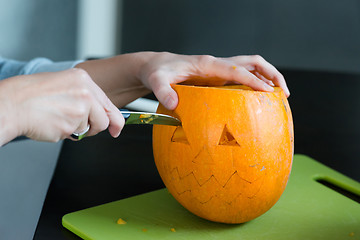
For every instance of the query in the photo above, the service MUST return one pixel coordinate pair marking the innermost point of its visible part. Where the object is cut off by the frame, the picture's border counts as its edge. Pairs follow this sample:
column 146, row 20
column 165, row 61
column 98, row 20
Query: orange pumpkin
column 231, row 158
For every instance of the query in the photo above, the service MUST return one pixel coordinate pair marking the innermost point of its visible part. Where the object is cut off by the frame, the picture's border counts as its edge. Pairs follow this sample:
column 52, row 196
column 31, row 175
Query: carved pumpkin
column 231, row 158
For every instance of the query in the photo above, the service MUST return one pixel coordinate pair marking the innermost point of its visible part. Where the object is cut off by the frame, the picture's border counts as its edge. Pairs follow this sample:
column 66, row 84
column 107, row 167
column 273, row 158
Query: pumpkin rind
column 231, row 158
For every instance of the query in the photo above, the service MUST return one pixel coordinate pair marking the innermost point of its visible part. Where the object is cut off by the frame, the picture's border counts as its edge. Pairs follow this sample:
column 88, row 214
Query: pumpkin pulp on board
column 231, row 158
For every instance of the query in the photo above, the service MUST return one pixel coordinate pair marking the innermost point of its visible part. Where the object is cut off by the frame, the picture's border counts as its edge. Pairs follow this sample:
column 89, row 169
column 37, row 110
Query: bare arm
column 119, row 76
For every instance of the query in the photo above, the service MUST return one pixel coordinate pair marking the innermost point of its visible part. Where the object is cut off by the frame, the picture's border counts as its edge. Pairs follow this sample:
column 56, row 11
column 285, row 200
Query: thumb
column 167, row 96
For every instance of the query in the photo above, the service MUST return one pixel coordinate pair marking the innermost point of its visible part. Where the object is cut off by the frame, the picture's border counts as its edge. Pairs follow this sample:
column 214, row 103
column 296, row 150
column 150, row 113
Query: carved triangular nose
column 227, row 138
column 179, row 136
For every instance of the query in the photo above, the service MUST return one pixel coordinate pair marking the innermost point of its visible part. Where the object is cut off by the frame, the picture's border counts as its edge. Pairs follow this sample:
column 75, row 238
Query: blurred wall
column 31, row 28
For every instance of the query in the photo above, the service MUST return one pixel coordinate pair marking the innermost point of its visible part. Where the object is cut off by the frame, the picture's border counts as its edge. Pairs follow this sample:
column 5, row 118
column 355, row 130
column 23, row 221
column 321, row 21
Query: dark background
column 295, row 34
column 315, row 44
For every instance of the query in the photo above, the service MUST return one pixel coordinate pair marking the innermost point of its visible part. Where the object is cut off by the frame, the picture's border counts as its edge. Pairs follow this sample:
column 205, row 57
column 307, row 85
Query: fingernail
column 114, row 132
column 287, row 93
column 116, row 135
column 268, row 88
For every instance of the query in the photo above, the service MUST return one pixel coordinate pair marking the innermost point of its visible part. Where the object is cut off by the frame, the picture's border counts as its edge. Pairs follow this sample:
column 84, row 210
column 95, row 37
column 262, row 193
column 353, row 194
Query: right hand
column 52, row 106
column 164, row 69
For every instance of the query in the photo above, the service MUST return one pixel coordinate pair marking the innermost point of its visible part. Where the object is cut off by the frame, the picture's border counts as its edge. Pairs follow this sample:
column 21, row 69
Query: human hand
column 164, row 69
column 52, row 106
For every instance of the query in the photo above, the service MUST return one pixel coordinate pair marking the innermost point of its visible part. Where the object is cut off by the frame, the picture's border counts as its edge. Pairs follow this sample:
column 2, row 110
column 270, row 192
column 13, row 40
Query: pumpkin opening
column 179, row 136
column 217, row 83
column 227, row 138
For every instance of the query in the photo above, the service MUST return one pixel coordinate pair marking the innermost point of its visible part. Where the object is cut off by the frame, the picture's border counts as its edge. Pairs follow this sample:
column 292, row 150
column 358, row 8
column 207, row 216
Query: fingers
column 264, row 70
column 167, row 96
column 234, row 72
column 98, row 119
column 252, row 71
column 116, row 119
column 253, row 81
column 160, row 84
column 100, row 116
column 102, row 113
column 261, row 77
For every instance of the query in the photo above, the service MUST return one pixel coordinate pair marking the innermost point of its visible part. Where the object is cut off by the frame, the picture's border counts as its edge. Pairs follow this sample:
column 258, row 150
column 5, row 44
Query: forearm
column 119, row 76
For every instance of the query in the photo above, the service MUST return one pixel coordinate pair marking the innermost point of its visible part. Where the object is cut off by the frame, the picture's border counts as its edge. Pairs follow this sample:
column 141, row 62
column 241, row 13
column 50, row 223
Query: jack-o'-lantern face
column 231, row 158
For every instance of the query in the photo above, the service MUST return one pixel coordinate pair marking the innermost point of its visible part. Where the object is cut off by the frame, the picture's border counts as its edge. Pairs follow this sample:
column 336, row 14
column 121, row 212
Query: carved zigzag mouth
column 212, row 177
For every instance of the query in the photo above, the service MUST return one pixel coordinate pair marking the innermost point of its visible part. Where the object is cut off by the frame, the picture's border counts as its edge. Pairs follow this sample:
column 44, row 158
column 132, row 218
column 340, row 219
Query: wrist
column 143, row 60
column 9, row 124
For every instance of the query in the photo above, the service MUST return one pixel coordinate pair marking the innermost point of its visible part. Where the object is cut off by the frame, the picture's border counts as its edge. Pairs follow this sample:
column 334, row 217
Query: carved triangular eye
column 179, row 136
column 227, row 138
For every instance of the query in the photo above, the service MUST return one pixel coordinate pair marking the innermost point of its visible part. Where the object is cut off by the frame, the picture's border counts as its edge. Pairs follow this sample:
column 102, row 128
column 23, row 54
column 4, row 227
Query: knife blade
column 149, row 118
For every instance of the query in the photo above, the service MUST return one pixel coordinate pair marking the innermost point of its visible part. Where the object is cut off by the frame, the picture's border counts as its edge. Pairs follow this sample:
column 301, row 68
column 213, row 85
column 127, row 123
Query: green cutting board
column 306, row 210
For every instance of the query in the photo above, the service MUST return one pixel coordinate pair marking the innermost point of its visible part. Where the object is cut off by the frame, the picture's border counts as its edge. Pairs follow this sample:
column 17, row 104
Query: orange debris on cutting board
column 230, row 159
column 144, row 230
column 173, row 230
column 351, row 234
column 120, row 221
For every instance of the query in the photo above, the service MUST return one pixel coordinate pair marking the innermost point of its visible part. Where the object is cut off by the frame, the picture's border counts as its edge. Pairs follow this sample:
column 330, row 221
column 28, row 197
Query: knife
column 149, row 118
column 138, row 118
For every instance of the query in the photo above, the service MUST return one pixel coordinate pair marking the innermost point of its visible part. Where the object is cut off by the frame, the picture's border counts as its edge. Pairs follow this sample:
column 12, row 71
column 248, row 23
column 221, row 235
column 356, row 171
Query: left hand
column 164, row 69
